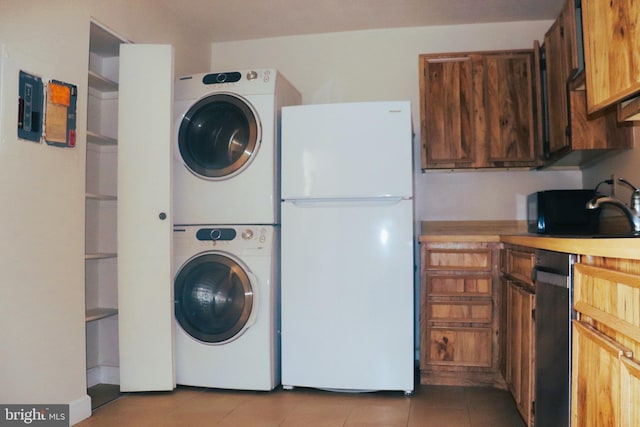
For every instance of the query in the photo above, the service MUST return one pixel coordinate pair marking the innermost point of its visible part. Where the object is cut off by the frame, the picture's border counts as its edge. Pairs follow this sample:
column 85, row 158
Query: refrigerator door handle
column 355, row 201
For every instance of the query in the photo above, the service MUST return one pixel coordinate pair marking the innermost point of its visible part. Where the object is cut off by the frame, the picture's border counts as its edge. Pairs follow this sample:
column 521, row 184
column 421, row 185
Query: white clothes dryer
column 226, row 306
column 226, row 146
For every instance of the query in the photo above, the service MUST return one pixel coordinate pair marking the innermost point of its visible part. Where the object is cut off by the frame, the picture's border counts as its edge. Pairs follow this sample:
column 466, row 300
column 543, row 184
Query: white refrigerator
column 347, row 254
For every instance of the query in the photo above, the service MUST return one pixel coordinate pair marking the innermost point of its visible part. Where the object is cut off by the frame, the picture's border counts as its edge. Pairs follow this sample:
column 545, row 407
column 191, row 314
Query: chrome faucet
column 632, row 211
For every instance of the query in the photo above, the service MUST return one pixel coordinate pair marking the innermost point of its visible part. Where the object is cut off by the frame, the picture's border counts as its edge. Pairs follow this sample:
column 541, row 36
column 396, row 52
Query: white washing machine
column 226, row 146
column 226, row 306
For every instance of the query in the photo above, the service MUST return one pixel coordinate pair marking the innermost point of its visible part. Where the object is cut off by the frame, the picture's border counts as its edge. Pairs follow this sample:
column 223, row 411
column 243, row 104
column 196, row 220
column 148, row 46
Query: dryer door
column 213, row 298
column 219, row 136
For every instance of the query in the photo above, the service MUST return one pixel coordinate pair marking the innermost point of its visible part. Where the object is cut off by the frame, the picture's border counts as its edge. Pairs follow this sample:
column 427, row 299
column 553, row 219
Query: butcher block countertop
column 515, row 232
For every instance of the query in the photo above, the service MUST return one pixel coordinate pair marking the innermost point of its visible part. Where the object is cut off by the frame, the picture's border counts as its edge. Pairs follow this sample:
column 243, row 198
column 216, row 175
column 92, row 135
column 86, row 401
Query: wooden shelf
column 629, row 110
column 94, row 138
column 100, row 255
column 95, row 196
column 101, row 84
column 99, row 313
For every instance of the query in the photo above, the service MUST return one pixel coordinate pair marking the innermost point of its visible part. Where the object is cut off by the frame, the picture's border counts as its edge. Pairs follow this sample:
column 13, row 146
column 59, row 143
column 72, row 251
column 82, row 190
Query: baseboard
column 79, row 409
column 103, row 375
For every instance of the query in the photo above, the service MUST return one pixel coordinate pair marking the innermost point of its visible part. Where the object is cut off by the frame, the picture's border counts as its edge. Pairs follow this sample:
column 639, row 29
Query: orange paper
column 59, row 94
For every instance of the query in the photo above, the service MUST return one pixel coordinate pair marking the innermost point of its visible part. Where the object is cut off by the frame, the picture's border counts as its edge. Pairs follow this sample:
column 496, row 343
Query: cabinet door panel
column 460, row 346
column 630, row 381
column 509, row 112
column 520, row 351
column 519, row 265
column 611, row 50
column 448, row 131
column 559, row 43
column 595, row 397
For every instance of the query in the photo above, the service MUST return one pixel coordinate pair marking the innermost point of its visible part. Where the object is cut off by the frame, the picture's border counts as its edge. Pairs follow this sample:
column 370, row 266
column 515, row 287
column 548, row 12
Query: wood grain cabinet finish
column 560, row 63
column 459, row 314
column 518, row 263
column 518, row 327
column 611, row 51
column 606, row 343
column 478, row 109
column 520, row 348
column 570, row 128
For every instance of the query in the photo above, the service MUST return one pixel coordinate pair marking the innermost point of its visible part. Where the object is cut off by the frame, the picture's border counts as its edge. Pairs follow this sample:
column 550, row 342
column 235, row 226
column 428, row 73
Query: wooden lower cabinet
column 459, row 314
column 606, row 343
column 518, row 327
column 520, row 347
column 596, row 380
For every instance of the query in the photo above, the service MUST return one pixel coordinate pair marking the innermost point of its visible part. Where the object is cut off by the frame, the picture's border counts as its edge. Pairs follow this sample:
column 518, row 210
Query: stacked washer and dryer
column 226, row 199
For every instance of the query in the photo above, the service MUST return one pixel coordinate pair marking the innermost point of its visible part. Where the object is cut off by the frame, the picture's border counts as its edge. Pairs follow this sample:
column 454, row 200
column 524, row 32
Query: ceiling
column 232, row 20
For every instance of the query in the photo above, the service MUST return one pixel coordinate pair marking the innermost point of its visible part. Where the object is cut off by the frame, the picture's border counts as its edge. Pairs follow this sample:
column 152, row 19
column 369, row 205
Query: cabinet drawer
column 459, row 285
column 519, row 265
column 610, row 297
column 459, row 346
column 458, row 259
column 467, row 312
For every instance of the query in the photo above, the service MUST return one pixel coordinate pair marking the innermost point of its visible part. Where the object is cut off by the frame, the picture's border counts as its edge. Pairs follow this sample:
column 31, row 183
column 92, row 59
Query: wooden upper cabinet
column 611, row 51
column 478, row 109
column 574, row 137
column 509, row 82
column 561, row 62
column 446, row 86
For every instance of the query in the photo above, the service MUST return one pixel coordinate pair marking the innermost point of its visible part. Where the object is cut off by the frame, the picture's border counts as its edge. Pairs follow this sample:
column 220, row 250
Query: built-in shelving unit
column 101, row 287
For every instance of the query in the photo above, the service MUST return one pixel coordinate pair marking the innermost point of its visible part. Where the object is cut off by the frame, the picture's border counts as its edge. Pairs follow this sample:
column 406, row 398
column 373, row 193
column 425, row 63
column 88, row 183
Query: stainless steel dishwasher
column 553, row 275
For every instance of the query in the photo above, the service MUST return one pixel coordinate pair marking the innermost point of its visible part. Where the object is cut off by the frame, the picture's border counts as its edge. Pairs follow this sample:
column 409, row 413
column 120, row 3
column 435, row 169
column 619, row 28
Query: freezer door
column 347, row 295
column 347, row 150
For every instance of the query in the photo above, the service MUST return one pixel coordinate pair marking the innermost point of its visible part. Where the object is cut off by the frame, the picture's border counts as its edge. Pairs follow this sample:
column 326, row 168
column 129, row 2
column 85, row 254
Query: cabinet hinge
column 577, row 4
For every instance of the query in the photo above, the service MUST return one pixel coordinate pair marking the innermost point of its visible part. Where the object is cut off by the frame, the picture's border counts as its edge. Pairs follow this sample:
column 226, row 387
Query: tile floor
column 436, row 406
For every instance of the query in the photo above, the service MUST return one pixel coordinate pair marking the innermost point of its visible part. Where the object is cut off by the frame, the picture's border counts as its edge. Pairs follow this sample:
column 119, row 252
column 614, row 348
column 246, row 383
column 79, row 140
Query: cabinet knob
column 162, row 216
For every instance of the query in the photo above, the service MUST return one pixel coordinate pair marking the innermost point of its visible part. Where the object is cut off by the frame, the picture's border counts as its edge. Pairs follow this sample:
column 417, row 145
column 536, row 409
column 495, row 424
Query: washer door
column 219, row 136
column 213, row 298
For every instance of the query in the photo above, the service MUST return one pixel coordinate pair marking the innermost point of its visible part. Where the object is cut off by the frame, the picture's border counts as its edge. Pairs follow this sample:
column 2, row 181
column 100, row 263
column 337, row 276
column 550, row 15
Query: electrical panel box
column 30, row 107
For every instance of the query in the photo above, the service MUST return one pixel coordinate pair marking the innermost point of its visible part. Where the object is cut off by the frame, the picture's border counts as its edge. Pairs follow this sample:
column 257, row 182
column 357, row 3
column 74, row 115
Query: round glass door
column 213, row 298
column 219, row 136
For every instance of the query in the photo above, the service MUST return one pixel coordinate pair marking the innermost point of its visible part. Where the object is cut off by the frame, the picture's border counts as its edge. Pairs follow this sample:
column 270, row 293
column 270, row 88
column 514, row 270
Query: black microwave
column 562, row 212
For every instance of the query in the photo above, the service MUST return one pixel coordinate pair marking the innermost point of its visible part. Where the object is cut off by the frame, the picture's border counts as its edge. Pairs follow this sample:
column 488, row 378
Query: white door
column 145, row 291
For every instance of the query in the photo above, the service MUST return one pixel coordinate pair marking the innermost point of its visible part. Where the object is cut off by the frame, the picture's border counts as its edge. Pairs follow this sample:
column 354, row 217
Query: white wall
column 625, row 164
column 42, row 328
column 42, row 193
column 383, row 65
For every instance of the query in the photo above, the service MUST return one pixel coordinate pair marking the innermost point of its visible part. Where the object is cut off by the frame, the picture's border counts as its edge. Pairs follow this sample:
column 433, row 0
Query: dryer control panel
column 216, row 234
column 246, row 237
